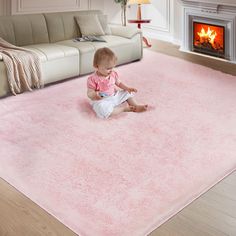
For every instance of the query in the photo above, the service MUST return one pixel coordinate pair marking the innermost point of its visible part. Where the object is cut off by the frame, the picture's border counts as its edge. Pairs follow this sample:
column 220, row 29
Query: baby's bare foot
column 129, row 108
column 140, row 108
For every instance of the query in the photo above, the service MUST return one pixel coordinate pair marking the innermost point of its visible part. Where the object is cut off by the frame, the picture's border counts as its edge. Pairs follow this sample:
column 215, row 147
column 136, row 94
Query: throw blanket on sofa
column 23, row 67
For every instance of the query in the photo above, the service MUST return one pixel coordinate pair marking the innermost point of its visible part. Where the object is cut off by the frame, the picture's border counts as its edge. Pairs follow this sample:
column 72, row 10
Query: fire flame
column 208, row 36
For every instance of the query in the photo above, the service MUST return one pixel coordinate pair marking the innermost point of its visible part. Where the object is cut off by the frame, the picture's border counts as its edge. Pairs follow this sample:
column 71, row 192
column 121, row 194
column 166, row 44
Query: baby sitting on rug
column 105, row 98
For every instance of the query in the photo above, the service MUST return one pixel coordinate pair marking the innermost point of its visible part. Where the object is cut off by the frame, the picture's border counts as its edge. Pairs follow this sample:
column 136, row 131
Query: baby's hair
column 103, row 54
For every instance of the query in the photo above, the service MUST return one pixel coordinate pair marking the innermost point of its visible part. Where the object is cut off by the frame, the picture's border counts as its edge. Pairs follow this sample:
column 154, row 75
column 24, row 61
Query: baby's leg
column 138, row 108
column 119, row 109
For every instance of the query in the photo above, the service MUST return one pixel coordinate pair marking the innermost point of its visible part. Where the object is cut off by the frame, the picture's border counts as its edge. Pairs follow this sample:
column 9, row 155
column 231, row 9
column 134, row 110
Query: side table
column 139, row 23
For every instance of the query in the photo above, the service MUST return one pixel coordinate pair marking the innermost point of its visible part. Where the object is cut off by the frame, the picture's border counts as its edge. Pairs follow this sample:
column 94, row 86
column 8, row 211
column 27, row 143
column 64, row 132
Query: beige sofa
column 52, row 35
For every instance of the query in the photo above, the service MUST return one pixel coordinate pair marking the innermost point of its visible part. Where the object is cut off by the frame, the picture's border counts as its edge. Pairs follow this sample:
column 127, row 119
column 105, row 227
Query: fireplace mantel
column 217, row 2
column 211, row 6
column 222, row 12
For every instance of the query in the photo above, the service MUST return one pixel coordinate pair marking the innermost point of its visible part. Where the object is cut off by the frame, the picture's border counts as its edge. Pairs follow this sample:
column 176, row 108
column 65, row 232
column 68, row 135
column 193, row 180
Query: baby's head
column 104, row 61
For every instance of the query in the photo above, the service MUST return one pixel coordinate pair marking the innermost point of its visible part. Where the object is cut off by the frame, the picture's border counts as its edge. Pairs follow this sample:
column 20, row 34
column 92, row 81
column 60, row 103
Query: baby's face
column 105, row 68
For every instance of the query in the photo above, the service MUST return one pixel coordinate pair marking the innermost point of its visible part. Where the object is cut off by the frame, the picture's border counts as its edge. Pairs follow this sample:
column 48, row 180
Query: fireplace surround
column 218, row 20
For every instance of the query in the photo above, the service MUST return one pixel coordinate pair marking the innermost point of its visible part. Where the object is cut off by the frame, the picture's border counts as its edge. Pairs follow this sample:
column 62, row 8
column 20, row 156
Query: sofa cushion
column 104, row 23
column 48, row 52
column 58, row 61
column 24, row 29
column 86, row 51
column 125, row 49
column 125, row 31
column 63, row 26
column 89, row 25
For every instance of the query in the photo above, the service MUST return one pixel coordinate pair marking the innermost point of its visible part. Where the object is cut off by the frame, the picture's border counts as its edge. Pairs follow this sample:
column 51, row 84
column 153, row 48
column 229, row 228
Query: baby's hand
column 130, row 90
column 97, row 96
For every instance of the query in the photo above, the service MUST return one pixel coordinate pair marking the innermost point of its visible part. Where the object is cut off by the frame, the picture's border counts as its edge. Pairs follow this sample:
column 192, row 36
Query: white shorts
column 105, row 106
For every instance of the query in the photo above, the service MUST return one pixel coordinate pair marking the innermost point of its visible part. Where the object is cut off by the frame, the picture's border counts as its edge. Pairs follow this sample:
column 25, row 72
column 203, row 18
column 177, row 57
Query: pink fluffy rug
column 126, row 175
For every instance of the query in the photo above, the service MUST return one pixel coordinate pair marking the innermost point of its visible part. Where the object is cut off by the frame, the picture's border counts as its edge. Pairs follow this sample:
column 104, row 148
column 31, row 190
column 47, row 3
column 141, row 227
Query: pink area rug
column 127, row 175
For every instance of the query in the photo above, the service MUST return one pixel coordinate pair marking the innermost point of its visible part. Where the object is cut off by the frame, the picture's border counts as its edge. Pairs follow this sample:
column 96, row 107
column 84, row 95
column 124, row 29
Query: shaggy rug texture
column 126, row 175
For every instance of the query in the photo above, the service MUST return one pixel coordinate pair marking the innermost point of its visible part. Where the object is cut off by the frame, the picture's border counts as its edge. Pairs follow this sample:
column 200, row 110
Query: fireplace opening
column 209, row 39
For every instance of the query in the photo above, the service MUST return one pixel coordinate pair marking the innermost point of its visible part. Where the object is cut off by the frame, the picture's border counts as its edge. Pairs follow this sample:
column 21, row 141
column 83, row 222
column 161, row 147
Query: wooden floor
column 213, row 214
column 173, row 50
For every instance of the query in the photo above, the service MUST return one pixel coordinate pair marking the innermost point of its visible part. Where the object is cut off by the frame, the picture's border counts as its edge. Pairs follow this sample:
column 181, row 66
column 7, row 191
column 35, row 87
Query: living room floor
column 173, row 50
column 212, row 214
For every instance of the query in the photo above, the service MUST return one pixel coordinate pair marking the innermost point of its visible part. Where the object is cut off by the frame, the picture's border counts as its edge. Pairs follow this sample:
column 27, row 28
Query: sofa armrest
column 125, row 31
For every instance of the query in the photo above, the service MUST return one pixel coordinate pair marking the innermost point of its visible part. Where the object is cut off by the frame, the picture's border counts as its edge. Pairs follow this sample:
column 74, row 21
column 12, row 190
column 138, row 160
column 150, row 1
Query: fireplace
column 209, row 28
column 209, row 39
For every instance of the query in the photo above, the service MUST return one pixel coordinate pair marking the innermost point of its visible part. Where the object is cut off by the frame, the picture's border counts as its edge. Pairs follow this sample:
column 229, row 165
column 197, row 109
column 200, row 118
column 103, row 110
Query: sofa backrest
column 63, row 26
column 24, row 30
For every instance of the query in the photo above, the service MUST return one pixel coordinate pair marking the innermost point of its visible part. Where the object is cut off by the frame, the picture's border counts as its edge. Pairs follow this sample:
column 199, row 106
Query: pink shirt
column 103, row 84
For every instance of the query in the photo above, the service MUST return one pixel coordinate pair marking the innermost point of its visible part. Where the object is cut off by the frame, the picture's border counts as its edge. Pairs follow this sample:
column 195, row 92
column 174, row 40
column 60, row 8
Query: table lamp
column 139, row 2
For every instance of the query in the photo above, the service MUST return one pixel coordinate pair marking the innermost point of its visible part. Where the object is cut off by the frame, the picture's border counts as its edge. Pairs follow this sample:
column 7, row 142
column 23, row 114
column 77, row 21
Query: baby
column 105, row 98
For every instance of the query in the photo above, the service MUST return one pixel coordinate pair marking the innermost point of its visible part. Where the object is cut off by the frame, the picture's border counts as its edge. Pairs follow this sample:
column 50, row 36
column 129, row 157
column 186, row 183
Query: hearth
column 209, row 39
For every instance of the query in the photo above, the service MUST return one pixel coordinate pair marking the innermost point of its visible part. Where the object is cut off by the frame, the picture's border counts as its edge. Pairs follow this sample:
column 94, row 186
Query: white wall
column 113, row 11
column 165, row 16
column 177, row 22
column 13, row 7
